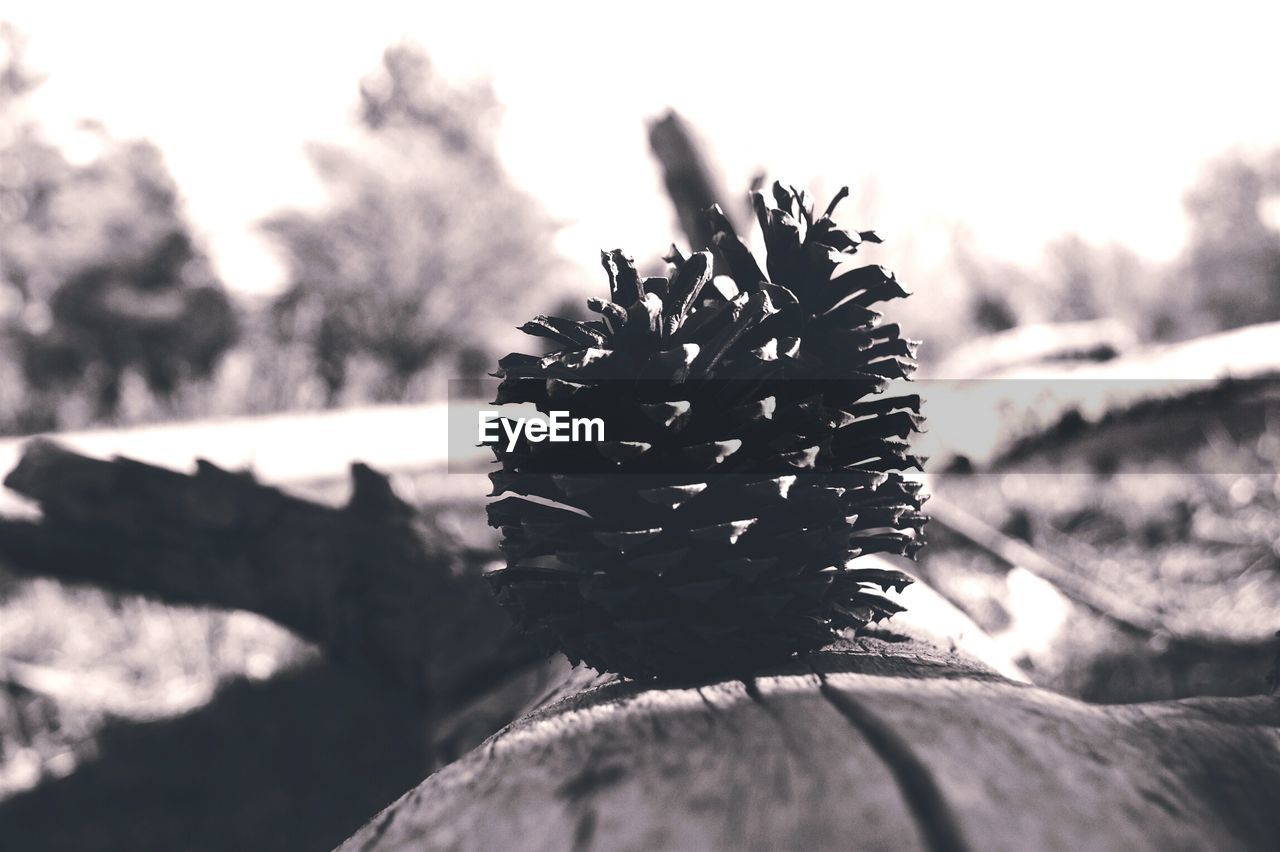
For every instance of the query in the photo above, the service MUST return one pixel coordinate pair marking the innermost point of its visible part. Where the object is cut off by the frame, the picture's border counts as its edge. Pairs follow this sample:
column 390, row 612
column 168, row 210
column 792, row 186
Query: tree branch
column 372, row 582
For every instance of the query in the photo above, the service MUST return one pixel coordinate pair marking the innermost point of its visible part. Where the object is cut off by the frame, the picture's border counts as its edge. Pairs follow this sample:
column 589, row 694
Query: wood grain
column 877, row 745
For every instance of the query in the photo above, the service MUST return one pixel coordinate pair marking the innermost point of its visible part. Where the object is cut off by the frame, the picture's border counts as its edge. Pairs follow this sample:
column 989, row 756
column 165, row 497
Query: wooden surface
column 878, row 745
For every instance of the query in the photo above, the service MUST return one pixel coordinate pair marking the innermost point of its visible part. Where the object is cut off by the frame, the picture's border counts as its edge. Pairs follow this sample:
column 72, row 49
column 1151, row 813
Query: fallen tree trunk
column 296, row 448
column 879, row 744
column 1037, row 344
column 372, row 582
column 1143, row 399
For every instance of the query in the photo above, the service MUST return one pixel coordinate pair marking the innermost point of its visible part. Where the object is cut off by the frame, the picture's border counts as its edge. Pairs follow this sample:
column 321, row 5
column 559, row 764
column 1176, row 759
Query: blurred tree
column 1227, row 276
column 426, row 244
column 1090, row 281
column 1232, row 264
column 1077, row 280
column 98, row 266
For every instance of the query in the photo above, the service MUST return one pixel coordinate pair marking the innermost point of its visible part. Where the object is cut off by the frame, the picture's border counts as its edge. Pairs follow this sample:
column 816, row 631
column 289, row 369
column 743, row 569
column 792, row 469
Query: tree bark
column 884, row 743
column 372, row 582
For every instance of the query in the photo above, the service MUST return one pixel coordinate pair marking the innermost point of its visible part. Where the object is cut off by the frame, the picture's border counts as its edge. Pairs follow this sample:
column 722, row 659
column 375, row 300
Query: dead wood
column 371, row 582
column 691, row 183
column 1147, row 401
column 875, row 745
column 1077, row 584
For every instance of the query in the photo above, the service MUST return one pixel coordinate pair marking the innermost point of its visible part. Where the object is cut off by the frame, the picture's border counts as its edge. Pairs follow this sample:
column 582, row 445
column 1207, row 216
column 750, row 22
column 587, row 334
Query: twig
column 1073, row 584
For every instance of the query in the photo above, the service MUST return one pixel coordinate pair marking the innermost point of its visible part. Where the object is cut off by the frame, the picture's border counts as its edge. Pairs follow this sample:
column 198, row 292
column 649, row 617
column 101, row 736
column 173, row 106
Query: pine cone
column 749, row 458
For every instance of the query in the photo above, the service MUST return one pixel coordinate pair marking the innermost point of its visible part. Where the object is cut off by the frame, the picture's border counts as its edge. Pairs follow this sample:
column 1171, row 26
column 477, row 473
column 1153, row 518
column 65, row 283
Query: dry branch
column 689, row 178
column 1074, row 584
column 371, row 582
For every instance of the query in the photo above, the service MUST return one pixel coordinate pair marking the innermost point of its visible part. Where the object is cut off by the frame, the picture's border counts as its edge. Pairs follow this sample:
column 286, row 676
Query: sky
column 1016, row 122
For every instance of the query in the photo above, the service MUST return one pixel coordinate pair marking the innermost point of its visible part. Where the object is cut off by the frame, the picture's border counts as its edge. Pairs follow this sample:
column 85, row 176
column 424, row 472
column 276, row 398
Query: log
column 298, row 449
column 373, row 582
column 1143, row 400
column 882, row 743
column 1037, row 343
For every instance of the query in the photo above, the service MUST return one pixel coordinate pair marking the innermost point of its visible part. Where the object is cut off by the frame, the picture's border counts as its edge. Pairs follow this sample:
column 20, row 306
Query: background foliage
column 424, row 237
column 100, row 273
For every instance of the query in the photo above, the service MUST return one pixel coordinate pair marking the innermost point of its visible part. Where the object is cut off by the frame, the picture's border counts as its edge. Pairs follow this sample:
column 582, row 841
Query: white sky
column 1019, row 122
